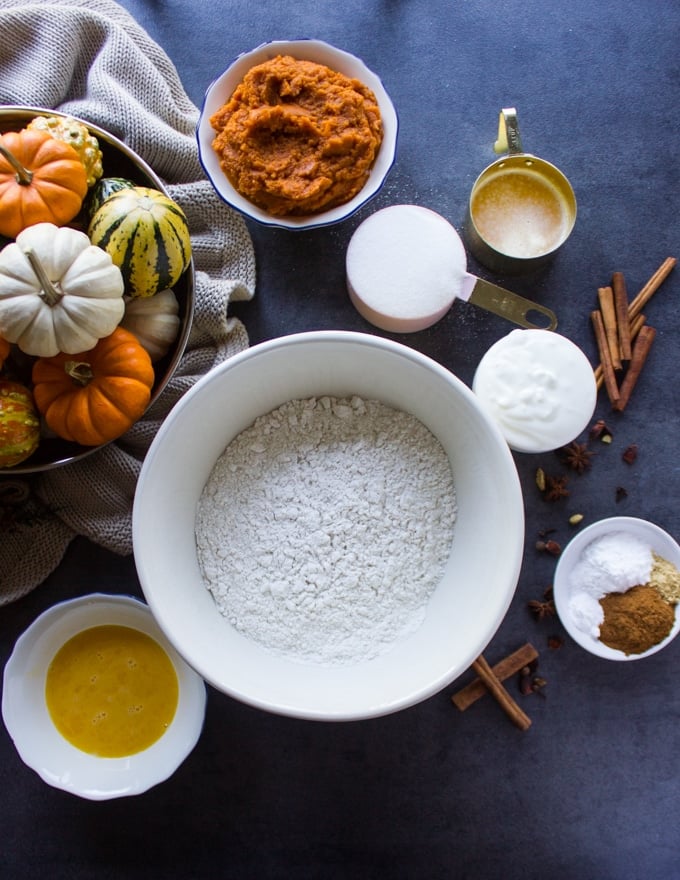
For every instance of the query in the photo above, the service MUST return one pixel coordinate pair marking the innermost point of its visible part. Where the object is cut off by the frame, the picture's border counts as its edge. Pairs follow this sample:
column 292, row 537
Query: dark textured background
column 591, row 790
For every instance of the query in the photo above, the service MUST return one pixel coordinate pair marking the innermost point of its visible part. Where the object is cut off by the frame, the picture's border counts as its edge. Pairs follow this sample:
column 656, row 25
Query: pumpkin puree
column 296, row 137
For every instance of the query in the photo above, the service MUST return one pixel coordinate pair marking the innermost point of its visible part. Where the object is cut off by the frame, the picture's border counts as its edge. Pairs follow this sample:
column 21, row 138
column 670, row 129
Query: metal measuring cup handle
column 506, row 304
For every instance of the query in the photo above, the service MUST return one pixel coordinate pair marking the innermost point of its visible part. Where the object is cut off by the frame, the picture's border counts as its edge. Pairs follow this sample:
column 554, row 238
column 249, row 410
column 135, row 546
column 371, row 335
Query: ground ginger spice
column 666, row 578
column 636, row 620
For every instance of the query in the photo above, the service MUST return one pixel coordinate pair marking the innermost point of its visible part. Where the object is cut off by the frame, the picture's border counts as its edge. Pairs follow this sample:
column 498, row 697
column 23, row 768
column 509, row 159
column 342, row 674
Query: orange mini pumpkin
column 94, row 397
column 41, row 180
column 4, row 351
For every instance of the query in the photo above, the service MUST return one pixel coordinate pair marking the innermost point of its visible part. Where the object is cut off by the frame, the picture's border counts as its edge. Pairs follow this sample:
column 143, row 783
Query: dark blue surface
column 591, row 791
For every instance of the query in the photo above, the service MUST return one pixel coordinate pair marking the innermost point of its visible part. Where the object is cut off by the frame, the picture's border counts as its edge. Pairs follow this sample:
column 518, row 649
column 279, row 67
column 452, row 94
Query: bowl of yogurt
column 539, row 387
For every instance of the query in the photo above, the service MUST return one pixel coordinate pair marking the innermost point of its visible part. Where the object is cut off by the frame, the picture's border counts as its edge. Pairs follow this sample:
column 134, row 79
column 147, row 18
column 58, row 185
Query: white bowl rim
column 303, row 47
column 378, row 705
column 38, row 742
column 661, row 542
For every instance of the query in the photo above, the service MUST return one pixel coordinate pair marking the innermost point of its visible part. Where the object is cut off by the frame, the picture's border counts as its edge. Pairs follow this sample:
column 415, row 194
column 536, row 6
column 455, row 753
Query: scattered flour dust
column 325, row 526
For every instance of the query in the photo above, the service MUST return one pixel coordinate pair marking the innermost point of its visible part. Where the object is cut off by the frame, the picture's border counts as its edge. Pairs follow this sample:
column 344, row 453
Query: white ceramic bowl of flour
column 479, row 576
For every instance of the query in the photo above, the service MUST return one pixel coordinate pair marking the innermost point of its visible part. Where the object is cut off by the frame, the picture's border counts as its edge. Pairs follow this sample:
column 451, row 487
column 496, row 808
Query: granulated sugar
column 325, row 527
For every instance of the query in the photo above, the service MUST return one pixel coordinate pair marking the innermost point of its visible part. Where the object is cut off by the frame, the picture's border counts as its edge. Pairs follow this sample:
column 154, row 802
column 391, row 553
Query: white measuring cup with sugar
column 406, row 265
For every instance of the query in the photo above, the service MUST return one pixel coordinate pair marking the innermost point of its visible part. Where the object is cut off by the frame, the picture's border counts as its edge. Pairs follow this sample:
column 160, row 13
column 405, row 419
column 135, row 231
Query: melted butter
column 111, row 691
column 521, row 214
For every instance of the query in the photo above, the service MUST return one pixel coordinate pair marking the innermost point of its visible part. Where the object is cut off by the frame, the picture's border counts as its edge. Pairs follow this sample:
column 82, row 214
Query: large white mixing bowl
column 480, row 576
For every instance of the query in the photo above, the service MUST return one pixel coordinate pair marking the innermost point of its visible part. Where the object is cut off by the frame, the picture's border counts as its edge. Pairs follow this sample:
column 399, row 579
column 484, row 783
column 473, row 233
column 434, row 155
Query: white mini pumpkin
column 58, row 291
column 154, row 320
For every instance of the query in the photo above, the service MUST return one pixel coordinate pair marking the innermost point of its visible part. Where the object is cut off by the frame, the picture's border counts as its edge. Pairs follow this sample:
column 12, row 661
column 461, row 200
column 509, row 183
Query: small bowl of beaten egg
column 97, row 701
column 297, row 134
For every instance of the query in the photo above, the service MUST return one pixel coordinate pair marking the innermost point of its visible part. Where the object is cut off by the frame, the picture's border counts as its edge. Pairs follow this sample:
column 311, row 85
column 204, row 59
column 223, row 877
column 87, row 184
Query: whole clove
column 549, row 546
column 630, row 453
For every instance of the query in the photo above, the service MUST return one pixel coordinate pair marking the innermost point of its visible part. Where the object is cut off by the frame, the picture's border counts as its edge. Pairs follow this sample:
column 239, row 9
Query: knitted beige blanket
column 89, row 58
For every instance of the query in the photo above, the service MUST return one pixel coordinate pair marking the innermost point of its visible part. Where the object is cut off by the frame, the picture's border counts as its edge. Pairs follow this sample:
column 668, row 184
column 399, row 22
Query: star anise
column 555, row 488
column 542, row 609
column 577, row 456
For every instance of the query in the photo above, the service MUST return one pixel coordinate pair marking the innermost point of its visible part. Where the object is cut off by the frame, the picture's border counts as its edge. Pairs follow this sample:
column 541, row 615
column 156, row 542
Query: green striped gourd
column 147, row 236
column 103, row 190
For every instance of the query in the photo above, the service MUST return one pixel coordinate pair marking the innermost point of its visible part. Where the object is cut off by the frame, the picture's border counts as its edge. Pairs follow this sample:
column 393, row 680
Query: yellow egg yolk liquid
column 111, row 691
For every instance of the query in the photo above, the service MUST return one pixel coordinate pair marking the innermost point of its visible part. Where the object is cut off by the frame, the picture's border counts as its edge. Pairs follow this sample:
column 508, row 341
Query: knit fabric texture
column 90, row 59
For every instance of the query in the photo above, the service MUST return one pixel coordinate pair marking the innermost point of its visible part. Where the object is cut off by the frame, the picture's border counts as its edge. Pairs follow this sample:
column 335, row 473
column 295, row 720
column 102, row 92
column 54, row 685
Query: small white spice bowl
column 219, row 92
column 42, row 747
column 660, row 542
column 480, row 575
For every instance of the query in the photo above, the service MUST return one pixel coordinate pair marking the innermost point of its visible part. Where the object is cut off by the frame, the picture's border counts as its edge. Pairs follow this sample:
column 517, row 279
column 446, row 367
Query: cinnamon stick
column 635, row 326
column 605, row 296
column 622, row 317
column 510, row 665
column 651, row 287
column 639, row 355
column 645, row 294
column 509, row 706
column 605, row 357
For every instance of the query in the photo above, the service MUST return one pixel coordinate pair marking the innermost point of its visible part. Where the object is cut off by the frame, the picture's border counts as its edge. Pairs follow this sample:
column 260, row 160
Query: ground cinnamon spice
column 636, row 620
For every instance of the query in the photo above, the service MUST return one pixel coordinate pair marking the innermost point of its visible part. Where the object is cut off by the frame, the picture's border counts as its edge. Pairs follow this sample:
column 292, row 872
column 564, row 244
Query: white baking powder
column 324, row 528
column 612, row 563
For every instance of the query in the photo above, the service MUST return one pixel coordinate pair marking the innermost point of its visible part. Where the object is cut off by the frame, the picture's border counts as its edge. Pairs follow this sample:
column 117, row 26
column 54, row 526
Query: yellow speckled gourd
column 78, row 136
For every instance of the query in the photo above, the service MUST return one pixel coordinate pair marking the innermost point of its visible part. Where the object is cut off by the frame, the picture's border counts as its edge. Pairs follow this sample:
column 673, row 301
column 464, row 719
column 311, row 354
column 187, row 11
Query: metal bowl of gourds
column 96, row 296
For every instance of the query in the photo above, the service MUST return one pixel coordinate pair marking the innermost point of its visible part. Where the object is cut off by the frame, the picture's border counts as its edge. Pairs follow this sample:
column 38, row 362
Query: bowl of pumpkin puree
column 297, row 134
column 97, row 701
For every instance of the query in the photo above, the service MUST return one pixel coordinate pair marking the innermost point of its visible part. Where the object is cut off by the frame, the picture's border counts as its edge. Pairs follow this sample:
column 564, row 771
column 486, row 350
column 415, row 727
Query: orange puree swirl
column 296, row 137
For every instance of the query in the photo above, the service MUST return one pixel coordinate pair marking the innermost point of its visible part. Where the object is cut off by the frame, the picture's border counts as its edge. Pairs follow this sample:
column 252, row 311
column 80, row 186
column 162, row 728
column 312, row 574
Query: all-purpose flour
column 325, row 527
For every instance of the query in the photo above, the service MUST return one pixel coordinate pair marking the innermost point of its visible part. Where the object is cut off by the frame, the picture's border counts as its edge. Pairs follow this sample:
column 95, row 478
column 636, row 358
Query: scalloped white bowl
column 480, row 576
column 45, row 750
column 221, row 90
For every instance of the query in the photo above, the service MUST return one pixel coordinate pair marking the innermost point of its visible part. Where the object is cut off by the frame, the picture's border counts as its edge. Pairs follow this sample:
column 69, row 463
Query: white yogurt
column 539, row 387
